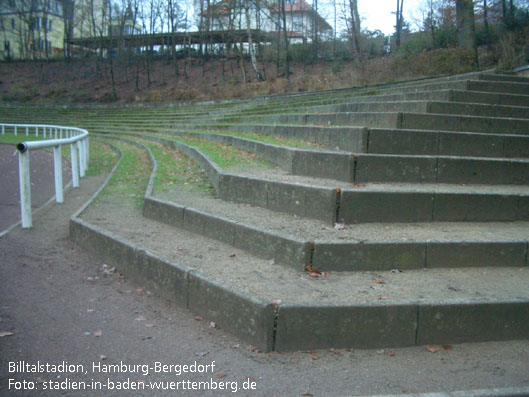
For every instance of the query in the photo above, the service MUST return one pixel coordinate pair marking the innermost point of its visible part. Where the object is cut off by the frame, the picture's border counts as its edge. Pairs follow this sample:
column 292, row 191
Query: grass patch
column 12, row 139
column 131, row 176
column 102, row 159
column 175, row 168
column 225, row 155
column 272, row 140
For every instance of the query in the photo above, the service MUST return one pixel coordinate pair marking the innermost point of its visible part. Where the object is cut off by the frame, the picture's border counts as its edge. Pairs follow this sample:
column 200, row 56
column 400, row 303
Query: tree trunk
column 285, row 37
column 355, row 28
column 486, row 23
column 250, row 43
column 400, row 5
column 466, row 37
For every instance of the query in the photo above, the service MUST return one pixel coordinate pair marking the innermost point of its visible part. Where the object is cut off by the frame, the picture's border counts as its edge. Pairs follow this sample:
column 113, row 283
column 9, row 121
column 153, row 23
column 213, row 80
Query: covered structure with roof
column 303, row 23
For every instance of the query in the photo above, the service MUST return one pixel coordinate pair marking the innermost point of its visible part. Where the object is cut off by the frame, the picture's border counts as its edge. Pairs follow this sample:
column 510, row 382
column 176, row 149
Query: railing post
column 25, row 188
column 36, row 131
column 87, row 143
column 81, row 159
column 75, row 165
column 57, row 163
column 15, row 130
column 3, row 132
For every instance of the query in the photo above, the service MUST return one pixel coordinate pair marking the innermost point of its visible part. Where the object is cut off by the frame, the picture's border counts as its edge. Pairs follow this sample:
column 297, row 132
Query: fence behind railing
column 53, row 136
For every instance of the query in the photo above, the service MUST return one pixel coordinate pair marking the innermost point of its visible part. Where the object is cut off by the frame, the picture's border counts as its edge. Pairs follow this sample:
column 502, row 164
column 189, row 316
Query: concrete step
column 503, row 77
column 419, row 121
column 329, row 200
column 296, row 242
column 435, row 107
column 502, row 87
column 358, row 168
column 267, row 307
column 390, row 140
column 270, row 308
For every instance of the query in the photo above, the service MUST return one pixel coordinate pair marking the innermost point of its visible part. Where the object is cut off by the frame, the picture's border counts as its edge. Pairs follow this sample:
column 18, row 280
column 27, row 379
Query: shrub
column 23, row 93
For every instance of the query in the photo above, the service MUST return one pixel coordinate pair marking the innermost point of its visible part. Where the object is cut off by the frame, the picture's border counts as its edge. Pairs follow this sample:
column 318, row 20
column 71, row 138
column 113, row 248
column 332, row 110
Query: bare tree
column 283, row 14
column 251, row 47
column 466, row 31
column 486, row 24
column 399, row 22
column 352, row 21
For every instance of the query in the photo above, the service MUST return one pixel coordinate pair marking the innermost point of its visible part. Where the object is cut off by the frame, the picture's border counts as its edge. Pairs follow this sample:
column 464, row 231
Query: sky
column 377, row 14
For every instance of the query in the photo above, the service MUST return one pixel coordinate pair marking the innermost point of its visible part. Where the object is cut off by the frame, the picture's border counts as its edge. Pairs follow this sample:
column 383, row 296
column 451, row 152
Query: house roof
column 302, row 6
column 222, row 8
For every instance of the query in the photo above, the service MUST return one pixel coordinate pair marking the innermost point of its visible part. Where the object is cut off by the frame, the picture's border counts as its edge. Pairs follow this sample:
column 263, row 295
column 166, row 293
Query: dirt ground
column 60, row 304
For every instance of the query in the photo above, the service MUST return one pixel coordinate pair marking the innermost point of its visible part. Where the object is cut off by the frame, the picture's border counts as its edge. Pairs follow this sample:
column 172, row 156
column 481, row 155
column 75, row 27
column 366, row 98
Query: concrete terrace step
column 357, row 168
column 332, row 200
column 390, row 141
column 502, row 87
column 298, row 242
column 419, row 121
column 271, row 308
column 435, row 107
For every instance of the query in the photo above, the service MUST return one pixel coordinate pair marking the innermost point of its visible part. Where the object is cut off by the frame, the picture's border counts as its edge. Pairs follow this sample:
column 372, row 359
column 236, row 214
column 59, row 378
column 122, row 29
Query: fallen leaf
column 432, row 349
column 390, row 353
column 307, row 395
column 149, row 325
column 98, row 333
column 447, row 347
column 198, row 318
column 379, row 282
column 382, row 298
column 232, row 255
column 6, row 333
column 141, row 318
column 236, row 346
column 220, row 374
column 397, row 271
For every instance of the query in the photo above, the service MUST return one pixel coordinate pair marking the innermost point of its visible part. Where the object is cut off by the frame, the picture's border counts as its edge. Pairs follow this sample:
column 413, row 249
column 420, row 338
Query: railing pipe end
column 22, row 147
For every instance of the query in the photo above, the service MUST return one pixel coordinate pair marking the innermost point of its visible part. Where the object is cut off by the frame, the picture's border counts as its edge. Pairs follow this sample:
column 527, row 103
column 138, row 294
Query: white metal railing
column 53, row 136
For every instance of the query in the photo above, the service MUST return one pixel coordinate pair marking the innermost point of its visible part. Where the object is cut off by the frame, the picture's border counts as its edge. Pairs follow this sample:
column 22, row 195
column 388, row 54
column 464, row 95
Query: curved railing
column 53, row 136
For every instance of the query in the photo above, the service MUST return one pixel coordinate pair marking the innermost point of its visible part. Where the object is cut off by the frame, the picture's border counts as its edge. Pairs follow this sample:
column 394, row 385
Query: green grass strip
column 175, row 168
column 129, row 181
